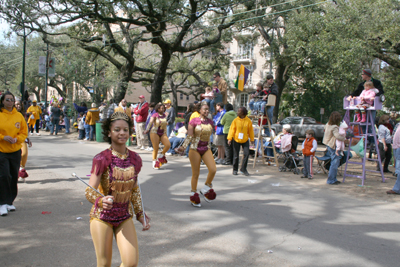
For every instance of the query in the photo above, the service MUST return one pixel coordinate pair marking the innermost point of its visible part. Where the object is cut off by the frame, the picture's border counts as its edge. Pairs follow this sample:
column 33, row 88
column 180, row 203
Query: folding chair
column 322, row 162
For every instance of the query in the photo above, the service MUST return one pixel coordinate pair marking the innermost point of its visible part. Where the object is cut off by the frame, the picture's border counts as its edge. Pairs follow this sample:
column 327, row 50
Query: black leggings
column 385, row 156
column 9, row 168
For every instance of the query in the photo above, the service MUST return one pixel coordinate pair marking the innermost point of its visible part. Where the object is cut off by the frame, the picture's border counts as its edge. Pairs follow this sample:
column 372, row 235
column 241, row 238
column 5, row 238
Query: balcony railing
column 243, row 58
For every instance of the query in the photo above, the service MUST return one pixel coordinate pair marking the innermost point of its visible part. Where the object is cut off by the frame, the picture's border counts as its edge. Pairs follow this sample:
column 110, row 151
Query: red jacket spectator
column 141, row 110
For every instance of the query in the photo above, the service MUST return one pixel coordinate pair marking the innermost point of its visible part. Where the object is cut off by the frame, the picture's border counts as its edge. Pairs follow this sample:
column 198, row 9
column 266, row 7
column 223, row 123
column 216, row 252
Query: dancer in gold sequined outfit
column 115, row 174
column 199, row 132
column 158, row 133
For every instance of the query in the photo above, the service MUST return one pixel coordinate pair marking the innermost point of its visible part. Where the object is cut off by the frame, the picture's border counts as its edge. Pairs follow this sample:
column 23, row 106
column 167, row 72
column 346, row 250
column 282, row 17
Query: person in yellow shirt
column 13, row 132
column 195, row 113
column 239, row 134
column 93, row 115
column 34, row 113
column 24, row 149
column 123, row 108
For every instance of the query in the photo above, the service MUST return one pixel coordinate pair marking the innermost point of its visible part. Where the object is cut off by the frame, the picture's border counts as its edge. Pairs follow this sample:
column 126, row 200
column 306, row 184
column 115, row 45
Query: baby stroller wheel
column 296, row 171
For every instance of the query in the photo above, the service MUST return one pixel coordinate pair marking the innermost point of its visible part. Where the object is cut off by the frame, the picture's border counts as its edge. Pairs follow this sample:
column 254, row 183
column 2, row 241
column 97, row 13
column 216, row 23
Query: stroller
column 292, row 158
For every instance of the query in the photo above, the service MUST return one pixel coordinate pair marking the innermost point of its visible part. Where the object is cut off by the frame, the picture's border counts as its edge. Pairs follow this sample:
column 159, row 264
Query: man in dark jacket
column 367, row 76
column 270, row 88
column 141, row 111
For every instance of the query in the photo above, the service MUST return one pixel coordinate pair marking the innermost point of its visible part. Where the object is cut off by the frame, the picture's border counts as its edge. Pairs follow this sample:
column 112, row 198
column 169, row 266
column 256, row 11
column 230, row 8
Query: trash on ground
column 277, row 184
column 270, row 251
column 79, row 218
column 252, row 181
column 46, row 212
column 299, row 248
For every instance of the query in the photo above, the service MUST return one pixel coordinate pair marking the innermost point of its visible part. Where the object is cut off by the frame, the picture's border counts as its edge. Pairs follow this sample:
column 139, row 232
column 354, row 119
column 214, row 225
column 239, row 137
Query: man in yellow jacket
column 34, row 113
column 239, row 133
column 13, row 132
column 123, row 108
column 93, row 115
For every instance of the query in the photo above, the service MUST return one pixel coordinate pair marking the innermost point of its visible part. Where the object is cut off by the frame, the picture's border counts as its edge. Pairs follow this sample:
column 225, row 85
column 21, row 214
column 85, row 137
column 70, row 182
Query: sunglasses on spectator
column 10, row 100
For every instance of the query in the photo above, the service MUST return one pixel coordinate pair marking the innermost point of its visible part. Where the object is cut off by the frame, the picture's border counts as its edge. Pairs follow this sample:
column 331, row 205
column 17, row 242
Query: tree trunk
column 280, row 80
column 174, row 94
column 125, row 76
column 159, row 77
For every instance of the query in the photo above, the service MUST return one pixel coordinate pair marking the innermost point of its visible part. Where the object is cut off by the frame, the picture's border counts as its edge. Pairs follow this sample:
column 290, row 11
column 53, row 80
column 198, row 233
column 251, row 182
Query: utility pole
column 47, row 76
column 22, row 89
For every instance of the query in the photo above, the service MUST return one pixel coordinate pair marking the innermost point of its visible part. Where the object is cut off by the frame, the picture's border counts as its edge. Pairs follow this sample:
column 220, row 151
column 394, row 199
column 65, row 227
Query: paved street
column 253, row 222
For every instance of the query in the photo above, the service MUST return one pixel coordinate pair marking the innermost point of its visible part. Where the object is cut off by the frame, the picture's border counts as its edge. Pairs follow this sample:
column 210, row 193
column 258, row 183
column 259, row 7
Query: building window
column 242, row 99
column 187, row 97
column 181, row 96
column 246, row 50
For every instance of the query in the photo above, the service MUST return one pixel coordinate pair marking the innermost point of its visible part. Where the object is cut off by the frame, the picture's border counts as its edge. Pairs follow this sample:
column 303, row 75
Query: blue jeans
column 211, row 104
column 81, row 134
column 335, row 161
column 252, row 104
column 170, row 127
column 396, row 187
column 261, row 106
column 87, row 131
column 92, row 132
column 175, row 142
column 67, row 124
column 54, row 123
column 270, row 113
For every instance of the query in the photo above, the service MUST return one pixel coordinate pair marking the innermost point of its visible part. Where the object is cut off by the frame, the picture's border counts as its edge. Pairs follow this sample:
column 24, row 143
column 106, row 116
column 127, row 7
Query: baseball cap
column 167, row 101
column 141, row 96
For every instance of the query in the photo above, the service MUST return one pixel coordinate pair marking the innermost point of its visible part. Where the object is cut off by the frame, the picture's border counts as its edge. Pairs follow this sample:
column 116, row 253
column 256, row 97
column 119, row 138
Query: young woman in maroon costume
column 115, row 174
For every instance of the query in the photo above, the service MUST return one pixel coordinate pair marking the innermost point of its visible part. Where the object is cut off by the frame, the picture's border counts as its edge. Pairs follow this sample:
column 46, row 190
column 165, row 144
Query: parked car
column 300, row 125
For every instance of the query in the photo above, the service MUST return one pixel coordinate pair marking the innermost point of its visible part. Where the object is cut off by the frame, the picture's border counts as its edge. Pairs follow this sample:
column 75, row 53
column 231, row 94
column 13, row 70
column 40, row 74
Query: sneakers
column 195, row 199
column 234, row 173
column 22, row 180
column 22, row 173
column 11, row 207
column 3, row 210
column 168, row 154
column 30, row 134
column 149, row 149
column 38, row 134
column 138, row 147
column 208, row 193
column 142, row 148
column 218, row 161
column 163, row 160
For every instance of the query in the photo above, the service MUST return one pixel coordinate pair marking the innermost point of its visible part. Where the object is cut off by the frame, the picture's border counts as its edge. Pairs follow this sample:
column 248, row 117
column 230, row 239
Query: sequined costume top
column 202, row 130
column 159, row 123
column 118, row 178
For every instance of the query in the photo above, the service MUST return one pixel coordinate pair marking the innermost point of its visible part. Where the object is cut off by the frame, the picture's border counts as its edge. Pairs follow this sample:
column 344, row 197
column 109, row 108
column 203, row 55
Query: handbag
column 32, row 117
column 359, row 148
